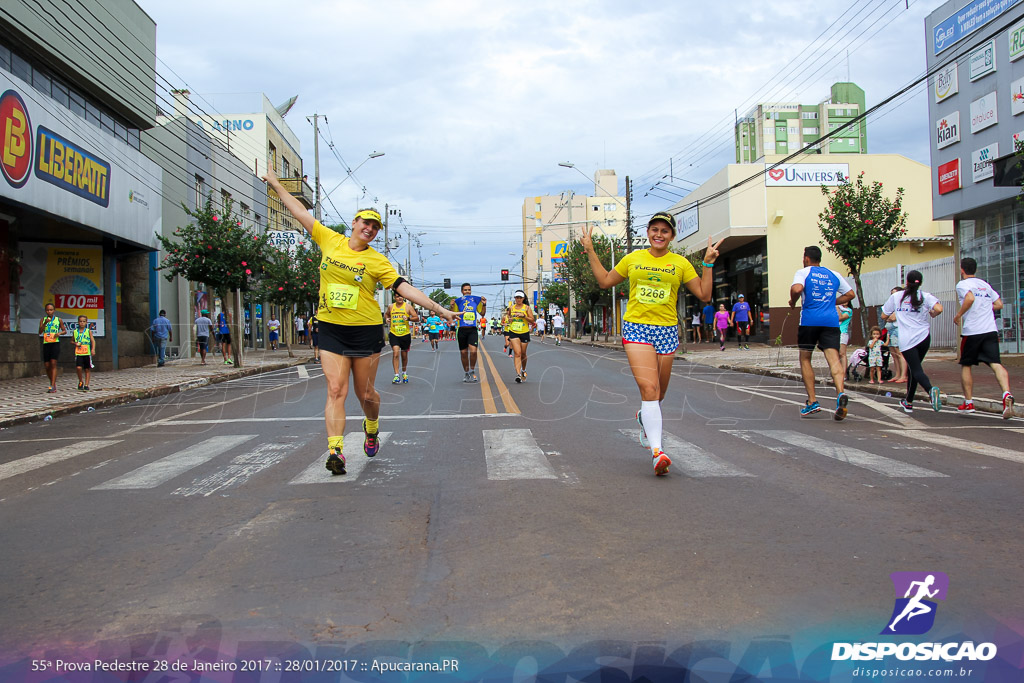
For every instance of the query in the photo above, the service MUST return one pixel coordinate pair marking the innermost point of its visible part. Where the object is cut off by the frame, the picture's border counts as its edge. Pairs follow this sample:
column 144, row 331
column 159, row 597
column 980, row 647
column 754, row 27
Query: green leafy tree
column 215, row 249
column 442, row 297
column 291, row 280
column 557, row 293
column 859, row 223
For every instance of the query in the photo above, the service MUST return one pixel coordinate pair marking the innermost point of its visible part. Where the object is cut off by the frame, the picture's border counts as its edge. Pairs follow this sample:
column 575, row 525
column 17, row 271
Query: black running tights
column 914, row 356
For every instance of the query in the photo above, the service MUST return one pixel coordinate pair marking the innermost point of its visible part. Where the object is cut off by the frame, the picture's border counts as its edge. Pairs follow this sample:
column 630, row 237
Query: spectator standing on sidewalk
column 820, row 290
column 709, row 322
column 85, row 347
column 845, row 316
column 225, row 337
column 558, row 327
column 695, row 324
column 274, row 329
column 203, row 327
column 300, row 329
column 912, row 309
column 979, row 340
column 161, row 331
column 50, row 329
column 892, row 340
column 314, row 336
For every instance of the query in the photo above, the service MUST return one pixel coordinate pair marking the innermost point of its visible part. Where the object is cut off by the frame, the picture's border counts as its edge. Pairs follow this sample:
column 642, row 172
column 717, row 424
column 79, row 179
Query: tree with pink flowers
column 859, row 223
column 216, row 249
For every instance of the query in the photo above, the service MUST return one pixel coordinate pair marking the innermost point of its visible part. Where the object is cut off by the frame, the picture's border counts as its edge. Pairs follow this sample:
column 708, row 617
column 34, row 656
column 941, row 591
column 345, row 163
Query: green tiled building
column 784, row 128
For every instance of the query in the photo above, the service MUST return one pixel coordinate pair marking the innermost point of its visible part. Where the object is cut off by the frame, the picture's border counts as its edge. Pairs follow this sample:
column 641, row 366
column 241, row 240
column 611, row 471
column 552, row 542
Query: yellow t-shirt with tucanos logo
column 654, row 286
column 517, row 321
column 348, row 280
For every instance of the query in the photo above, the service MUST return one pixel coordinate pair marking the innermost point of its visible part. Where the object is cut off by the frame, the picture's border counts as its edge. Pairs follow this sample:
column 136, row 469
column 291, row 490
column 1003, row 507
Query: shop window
column 92, row 114
column 133, row 138
column 77, row 102
column 59, row 92
column 21, row 68
column 41, row 81
column 121, row 131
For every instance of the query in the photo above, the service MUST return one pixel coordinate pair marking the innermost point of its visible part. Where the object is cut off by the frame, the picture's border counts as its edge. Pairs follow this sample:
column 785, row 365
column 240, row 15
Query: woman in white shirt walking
column 911, row 310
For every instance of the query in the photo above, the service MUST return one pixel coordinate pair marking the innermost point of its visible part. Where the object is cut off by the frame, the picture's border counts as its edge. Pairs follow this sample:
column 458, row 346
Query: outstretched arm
column 293, row 205
column 417, row 297
column 703, row 287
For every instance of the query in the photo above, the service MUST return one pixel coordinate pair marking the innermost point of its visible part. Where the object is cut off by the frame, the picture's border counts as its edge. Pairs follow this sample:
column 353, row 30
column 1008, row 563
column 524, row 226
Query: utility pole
column 572, row 299
column 629, row 219
column 316, row 164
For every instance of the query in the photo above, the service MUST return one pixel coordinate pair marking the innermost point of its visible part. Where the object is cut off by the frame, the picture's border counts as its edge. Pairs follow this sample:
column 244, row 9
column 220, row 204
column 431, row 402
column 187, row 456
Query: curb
column 138, row 394
column 983, row 405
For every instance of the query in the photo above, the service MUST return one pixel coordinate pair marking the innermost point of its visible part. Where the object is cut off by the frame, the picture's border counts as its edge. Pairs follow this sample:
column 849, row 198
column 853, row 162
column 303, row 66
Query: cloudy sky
column 475, row 103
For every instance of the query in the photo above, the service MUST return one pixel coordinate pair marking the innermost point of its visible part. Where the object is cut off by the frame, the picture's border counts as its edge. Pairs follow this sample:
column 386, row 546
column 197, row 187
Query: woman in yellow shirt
column 650, row 327
column 520, row 317
column 351, row 325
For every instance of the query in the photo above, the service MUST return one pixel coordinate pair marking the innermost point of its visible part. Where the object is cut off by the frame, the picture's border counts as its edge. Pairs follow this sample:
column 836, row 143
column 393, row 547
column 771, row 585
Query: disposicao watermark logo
column 916, row 592
column 913, row 614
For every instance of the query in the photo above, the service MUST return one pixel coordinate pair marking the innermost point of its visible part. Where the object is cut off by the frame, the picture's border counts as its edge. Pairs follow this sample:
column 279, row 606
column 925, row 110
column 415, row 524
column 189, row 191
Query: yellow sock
column 372, row 426
column 335, row 442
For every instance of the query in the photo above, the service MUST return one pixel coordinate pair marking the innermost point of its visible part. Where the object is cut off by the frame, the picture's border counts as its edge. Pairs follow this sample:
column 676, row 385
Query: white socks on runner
column 650, row 412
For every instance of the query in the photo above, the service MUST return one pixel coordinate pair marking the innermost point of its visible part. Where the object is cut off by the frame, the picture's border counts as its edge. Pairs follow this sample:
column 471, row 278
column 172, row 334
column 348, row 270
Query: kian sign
column 807, row 175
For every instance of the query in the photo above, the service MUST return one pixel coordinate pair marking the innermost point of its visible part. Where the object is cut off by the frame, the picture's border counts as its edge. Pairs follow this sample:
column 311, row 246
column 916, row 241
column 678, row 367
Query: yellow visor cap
column 370, row 215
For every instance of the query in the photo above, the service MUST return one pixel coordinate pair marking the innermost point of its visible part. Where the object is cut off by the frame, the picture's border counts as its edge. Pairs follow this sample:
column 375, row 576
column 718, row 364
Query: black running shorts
column 51, row 351
column 979, row 348
column 355, row 341
column 467, row 337
column 809, row 336
column 402, row 342
column 522, row 336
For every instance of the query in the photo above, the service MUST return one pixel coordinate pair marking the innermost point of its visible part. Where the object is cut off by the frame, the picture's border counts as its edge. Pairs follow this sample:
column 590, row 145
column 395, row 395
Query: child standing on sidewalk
column 84, row 349
column 875, row 356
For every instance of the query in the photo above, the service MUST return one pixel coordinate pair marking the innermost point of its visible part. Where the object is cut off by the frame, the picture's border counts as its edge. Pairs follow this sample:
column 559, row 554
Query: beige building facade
column 550, row 222
column 771, row 214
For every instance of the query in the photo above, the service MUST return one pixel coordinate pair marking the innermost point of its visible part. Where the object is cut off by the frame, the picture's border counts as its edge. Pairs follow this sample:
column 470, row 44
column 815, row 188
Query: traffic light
column 504, row 274
column 447, row 283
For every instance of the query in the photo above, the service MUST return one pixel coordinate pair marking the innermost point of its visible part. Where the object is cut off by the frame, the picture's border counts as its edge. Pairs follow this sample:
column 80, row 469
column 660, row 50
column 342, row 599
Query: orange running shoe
column 661, row 463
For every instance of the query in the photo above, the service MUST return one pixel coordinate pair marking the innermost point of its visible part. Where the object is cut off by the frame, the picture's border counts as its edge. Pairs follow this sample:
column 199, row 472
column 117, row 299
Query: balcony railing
column 300, row 189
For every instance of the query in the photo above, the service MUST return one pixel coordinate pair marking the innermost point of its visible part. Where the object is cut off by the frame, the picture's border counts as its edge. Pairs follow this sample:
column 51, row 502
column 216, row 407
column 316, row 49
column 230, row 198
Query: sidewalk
column 25, row 400
column 940, row 365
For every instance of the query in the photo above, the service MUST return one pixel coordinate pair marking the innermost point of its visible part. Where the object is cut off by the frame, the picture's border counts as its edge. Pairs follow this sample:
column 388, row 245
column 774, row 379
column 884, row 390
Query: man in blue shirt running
column 819, row 290
column 472, row 309
column 740, row 317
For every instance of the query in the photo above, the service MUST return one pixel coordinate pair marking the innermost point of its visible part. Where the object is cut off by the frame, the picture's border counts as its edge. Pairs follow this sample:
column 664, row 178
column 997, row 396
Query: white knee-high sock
column 650, row 411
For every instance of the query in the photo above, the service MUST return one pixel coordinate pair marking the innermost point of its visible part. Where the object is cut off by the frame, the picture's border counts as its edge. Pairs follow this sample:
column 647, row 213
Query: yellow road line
column 490, row 406
column 506, row 398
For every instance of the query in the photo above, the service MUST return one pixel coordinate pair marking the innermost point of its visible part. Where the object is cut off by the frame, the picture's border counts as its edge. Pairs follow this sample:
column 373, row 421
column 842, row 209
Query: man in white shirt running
column 979, row 340
column 557, row 327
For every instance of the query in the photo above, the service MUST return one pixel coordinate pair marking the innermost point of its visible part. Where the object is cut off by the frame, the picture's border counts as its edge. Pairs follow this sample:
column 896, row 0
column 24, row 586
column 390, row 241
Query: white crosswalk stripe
column 848, row 454
column 355, row 462
column 962, row 444
column 514, row 454
column 693, row 460
column 34, row 462
column 240, row 469
column 156, row 473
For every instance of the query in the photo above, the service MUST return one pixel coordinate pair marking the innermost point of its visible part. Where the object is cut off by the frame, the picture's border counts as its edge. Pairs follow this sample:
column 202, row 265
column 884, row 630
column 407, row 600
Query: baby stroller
column 857, row 369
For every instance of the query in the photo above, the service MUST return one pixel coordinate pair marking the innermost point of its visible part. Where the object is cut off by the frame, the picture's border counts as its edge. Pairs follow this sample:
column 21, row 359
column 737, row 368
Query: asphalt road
column 496, row 513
